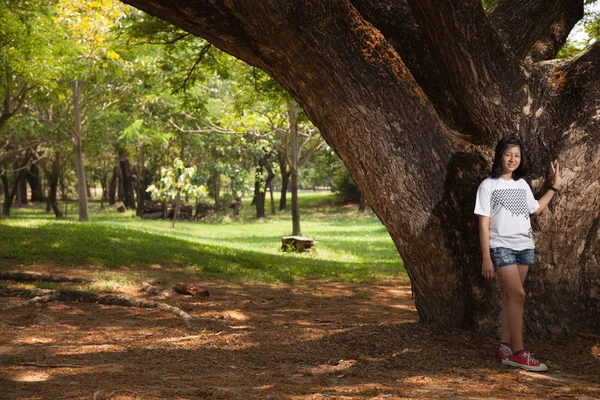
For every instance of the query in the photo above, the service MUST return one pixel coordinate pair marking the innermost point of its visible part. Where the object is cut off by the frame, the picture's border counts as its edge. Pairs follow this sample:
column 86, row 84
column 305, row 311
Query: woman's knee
column 516, row 296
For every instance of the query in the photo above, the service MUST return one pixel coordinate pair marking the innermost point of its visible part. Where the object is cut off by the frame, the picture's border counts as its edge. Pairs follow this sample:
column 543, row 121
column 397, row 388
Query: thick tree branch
column 38, row 295
column 548, row 46
column 520, row 23
column 577, row 79
column 214, row 21
column 395, row 20
column 486, row 80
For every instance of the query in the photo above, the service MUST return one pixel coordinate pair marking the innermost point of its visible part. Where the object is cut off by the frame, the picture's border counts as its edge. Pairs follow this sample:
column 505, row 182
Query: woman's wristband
column 555, row 190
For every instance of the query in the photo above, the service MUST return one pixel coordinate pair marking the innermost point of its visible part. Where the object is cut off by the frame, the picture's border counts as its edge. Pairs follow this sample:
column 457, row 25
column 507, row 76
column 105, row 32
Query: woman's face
column 511, row 159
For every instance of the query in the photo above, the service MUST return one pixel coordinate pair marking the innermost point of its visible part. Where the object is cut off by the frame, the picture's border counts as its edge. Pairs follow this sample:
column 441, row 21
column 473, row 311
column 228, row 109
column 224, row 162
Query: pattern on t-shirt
column 514, row 200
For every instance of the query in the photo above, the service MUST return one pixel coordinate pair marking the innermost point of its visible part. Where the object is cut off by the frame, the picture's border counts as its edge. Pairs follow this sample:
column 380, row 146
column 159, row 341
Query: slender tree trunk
column 121, row 187
column 104, row 184
column 362, row 203
column 52, row 176
column 9, row 195
column 216, row 188
column 285, row 177
column 33, row 178
column 177, row 205
column 22, row 189
column 259, row 192
column 114, row 185
column 272, row 198
column 293, row 112
column 78, row 152
column 127, row 179
column 141, row 186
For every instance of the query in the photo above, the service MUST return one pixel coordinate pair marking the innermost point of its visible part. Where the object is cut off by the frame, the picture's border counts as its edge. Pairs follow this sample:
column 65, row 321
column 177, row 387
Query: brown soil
column 312, row 340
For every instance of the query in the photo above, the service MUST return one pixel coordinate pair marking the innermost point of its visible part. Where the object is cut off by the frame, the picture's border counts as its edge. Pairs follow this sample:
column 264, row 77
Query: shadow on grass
column 69, row 243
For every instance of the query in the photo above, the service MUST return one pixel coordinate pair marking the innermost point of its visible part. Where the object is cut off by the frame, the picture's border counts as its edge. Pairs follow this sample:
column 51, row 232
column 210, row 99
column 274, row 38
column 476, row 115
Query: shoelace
column 529, row 357
column 506, row 350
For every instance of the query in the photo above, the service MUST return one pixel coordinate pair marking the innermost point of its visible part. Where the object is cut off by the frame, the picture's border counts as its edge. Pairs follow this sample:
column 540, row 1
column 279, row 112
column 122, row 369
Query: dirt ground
column 312, row 340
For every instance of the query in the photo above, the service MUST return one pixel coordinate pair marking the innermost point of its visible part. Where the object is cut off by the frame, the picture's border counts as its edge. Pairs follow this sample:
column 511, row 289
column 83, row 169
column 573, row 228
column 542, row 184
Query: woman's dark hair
column 501, row 147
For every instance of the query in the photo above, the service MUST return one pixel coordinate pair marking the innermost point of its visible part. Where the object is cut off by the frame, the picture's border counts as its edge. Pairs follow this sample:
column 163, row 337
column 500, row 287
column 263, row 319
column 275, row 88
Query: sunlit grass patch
column 350, row 246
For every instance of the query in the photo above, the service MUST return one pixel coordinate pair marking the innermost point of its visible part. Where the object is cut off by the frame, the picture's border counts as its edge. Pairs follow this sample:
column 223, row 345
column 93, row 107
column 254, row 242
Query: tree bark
column 177, row 206
column 21, row 188
column 215, row 180
column 127, row 178
column 362, row 203
column 419, row 172
column 114, row 185
column 76, row 139
column 523, row 23
column 272, row 197
column 53, row 178
column 293, row 112
column 285, row 178
column 33, row 178
column 141, row 186
column 9, row 195
column 259, row 191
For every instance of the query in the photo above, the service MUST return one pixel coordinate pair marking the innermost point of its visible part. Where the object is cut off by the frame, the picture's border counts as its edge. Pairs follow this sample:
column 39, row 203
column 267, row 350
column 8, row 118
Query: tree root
column 30, row 364
column 74, row 296
column 32, row 277
column 100, row 396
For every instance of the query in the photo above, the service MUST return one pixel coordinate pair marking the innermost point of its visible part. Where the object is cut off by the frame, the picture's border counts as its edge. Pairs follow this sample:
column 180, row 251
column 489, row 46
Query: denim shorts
column 502, row 256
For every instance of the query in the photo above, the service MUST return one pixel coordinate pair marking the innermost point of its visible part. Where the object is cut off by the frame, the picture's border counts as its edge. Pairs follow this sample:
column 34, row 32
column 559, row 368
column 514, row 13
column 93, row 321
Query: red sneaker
column 504, row 351
column 526, row 361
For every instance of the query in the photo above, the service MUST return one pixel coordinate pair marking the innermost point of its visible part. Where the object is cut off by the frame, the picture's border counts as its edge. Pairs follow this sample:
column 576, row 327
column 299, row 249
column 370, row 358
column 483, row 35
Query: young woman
column 504, row 204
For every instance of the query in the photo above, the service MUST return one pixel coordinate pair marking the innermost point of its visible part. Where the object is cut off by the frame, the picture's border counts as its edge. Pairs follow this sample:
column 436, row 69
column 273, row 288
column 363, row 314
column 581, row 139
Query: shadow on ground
column 311, row 340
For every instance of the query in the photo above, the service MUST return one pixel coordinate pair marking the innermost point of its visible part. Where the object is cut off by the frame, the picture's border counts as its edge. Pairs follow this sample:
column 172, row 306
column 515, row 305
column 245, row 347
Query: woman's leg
column 514, row 298
column 505, row 333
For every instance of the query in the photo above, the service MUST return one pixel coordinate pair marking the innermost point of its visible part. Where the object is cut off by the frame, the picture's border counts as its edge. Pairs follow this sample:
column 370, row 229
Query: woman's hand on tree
column 555, row 174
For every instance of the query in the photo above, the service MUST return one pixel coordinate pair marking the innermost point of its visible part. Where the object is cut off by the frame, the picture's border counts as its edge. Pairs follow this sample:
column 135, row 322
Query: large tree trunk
column 78, row 152
column 418, row 148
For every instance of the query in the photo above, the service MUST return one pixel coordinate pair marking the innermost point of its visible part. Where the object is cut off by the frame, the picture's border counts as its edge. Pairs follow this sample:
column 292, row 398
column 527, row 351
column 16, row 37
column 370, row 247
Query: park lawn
column 351, row 247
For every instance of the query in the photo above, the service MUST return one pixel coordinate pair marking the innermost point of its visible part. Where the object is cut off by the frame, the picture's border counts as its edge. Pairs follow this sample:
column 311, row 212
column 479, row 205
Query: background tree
column 175, row 182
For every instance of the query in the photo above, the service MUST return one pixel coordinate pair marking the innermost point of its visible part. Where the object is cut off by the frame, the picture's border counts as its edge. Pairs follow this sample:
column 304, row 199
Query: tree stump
column 121, row 207
column 297, row 243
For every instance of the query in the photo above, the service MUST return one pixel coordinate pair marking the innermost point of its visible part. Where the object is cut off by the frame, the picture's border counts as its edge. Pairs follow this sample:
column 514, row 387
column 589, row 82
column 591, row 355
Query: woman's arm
column 487, row 268
column 556, row 183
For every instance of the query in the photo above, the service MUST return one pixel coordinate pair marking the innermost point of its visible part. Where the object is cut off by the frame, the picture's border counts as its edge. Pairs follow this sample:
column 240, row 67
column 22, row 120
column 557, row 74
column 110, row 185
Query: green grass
column 350, row 246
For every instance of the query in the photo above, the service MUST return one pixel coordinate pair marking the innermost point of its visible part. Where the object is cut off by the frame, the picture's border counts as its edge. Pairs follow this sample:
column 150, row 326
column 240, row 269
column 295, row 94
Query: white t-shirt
column 508, row 204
